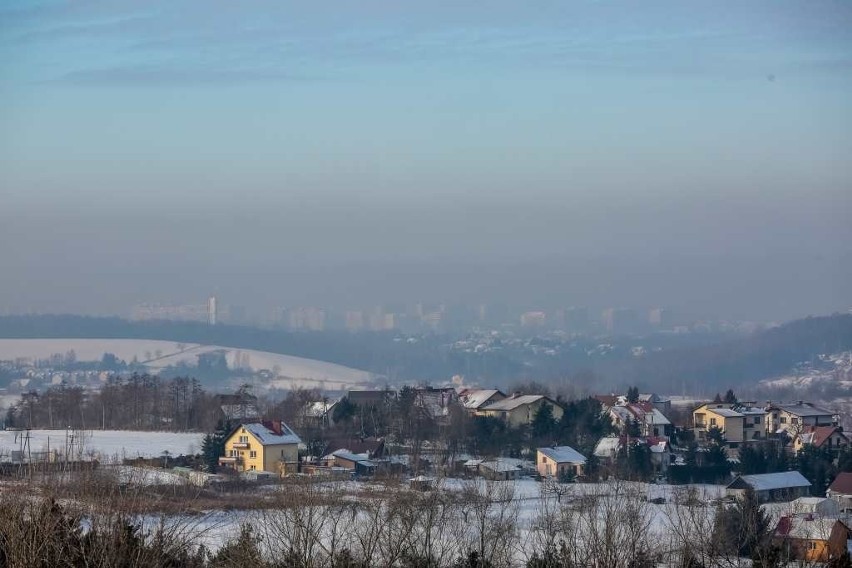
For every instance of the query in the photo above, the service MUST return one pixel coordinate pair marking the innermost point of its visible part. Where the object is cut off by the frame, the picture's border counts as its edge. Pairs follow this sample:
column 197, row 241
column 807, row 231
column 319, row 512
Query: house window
column 253, row 454
column 253, row 468
column 712, row 422
column 282, row 453
column 235, row 454
column 783, row 420
column 757, row 419
column 794, row 421
column 543, row 459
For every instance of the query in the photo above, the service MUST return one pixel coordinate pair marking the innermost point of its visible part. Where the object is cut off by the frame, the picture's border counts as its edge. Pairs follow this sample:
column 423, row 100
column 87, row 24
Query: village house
column 359, row 464
column 739, row 423
column 831, row 438
column 373, row 448
column 840, row 491
column 781, row 486
column 504, row 469
column 812, row 539
column 320, row 413
column 795, row 418
column 370, row 398
column 473, row 399
column 559, row 461
column 519, row 410
column 650, row 421
column 262, row 446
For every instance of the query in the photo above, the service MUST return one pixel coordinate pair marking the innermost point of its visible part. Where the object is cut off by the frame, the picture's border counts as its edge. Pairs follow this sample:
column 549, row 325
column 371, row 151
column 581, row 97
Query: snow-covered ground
column 288, row 371
column 105, row 445
column 214, row 528
column 834, row 369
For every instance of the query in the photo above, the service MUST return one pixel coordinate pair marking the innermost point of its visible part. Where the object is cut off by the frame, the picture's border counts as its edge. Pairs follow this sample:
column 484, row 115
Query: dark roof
column 842, row 484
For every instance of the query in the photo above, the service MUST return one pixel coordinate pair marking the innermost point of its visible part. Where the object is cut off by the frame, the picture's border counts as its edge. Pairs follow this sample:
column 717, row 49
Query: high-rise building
column 621, row 320
column 354, row 320
column 312, row 319
column 533, row 319
column 660, row 318
column 211, row 310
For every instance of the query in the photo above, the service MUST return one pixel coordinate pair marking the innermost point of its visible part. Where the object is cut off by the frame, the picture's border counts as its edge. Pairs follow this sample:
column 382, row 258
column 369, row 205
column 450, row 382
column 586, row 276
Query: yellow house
column 518, row 410
column 812, row 539
column 262, row 446
column 559, row 461
column 720, row 415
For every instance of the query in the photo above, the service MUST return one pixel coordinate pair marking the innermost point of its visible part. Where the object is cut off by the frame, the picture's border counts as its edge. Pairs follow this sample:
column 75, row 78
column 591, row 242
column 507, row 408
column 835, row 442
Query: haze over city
column 691, row 155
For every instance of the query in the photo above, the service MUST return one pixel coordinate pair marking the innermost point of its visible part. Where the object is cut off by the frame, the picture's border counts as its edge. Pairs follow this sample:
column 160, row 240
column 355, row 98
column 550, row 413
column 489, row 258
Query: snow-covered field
column 105, row 445
column 214, row 527
column 288, row 371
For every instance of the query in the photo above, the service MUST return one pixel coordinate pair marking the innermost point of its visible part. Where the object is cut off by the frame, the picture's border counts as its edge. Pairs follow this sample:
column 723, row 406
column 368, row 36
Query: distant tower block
column 211, row 310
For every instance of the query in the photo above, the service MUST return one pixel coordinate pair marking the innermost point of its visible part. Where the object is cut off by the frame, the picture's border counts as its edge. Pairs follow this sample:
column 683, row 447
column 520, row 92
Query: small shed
column 358, row 463
column 502, row 469
column 422, row 483
column 782, row 486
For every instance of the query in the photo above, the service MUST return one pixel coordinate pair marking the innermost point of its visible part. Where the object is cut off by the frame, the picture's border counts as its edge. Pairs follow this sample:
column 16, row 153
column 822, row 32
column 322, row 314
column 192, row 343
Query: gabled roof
column 726, row 412
column 804, row 409
column 608, row 447
column 473, row 399
column 804, row 528
column 607, row 400
column 270, row 433
column 770, row 481
column 371, row 446
column 319, row 408
column 506, row 464
column 355, row 458
column 817, row 435
column 514, row 402
column 842, row 484
column 563, row 454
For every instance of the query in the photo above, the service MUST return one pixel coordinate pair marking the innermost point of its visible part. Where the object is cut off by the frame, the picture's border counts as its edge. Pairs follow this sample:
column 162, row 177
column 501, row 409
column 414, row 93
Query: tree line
column 137, row 402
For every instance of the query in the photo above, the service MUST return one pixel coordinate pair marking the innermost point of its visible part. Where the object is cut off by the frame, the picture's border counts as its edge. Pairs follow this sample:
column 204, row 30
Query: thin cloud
column 166, row 76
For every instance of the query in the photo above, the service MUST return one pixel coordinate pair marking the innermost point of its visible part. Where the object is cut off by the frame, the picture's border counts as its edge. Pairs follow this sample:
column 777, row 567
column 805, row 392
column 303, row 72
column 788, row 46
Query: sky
column 694, row 155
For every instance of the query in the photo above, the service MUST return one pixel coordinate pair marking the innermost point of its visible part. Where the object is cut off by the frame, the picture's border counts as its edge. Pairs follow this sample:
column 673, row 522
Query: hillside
column 745, row 361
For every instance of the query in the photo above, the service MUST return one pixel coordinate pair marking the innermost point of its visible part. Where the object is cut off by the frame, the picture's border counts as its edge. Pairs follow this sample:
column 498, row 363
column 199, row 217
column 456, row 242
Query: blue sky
column 330, row 133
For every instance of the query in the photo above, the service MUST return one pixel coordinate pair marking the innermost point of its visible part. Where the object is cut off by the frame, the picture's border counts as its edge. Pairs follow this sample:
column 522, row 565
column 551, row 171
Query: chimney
column 516, row 394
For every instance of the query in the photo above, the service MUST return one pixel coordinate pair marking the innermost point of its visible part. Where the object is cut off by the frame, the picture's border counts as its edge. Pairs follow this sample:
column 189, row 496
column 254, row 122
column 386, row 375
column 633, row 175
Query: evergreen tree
column 213, row 445
column 543, row 424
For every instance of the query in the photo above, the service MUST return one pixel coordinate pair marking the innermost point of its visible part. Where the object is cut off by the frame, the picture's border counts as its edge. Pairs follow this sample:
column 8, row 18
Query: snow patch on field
column 288, row 371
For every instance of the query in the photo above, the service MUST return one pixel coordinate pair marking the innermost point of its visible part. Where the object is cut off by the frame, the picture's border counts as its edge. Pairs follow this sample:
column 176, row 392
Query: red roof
column 842, row 484
column 823, row 433
column 784, row 526
column 607, row 399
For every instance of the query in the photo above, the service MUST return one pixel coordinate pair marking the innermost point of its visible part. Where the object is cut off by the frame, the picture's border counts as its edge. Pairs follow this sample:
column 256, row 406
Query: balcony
column 230, row 460
column 240, row 445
